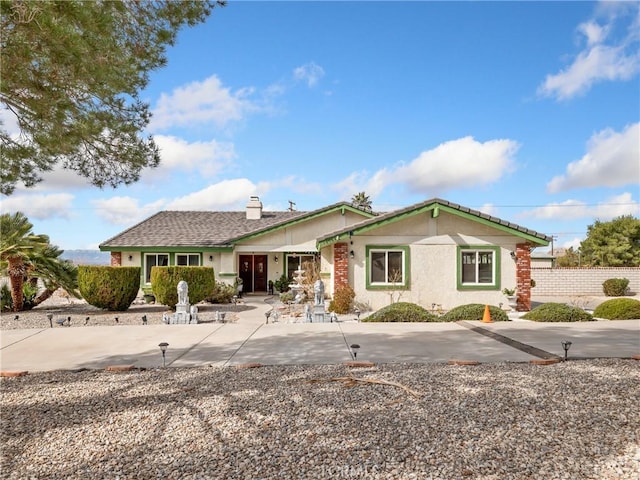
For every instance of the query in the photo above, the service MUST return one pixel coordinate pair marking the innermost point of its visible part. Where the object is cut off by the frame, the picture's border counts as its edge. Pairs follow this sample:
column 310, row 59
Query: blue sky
column 528, row 111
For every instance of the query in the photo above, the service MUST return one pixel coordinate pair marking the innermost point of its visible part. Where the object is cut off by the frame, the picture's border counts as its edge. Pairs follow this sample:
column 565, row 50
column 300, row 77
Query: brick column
column 116, row 259
column 340, row 265
column 523, row 277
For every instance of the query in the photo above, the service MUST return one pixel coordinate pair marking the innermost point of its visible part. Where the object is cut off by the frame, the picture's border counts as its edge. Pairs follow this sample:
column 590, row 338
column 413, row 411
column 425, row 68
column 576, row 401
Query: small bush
column 342, row 299
column 164, row 282
column 474, row 311
column 402, row 312
column 282, row 284
column 286, row 297
column 557, row 312
column 222, row 293
column 618, row 309
column 6, row 302
column 615, row 287
column 109, row 288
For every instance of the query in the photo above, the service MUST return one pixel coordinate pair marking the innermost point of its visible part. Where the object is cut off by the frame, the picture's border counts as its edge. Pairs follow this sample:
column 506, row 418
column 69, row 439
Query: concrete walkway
column 250, row 339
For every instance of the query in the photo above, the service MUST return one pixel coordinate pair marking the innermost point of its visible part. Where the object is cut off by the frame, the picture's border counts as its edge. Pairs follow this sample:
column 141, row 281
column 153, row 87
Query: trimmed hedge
column 557, row 312
column 618, row 309
column 474, row 311
column 109, row 288
column 615, row 287
column 402, row 312
column 164, row 283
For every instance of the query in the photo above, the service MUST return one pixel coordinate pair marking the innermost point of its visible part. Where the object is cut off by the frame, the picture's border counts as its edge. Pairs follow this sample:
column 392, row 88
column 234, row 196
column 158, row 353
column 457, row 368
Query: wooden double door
column 253, row 272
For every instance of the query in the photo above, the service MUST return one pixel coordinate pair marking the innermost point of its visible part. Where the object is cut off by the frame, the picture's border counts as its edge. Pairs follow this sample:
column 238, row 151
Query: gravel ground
column 79, row 310
column 573, row 420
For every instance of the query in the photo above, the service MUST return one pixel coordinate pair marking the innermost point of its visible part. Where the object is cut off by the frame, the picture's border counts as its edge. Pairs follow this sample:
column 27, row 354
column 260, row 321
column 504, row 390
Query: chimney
column 254, row 209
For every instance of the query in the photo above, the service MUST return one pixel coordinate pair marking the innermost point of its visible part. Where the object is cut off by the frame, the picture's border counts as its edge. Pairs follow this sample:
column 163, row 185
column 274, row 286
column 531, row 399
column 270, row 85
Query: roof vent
column 254, row 209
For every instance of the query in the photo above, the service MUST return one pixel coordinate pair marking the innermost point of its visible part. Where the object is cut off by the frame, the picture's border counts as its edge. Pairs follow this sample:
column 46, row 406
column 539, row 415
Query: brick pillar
column 340, row 265
column 523, row 277
column 116, row 259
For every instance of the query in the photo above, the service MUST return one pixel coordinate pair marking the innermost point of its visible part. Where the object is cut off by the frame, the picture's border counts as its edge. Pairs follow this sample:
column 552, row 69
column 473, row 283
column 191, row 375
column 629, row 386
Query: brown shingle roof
column 195, row 228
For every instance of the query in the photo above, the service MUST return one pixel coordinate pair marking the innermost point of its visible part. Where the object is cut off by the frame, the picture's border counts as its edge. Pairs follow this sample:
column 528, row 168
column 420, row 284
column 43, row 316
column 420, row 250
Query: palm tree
column 362, row 201
column 25, row 255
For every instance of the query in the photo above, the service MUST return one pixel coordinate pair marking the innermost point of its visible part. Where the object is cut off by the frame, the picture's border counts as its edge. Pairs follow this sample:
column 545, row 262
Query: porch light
column 566, row 345
column 163, row 348
column 352, row 254
column 354, row 350
column 513, row 255
column 130, row 257
column 211, row 258
column 275, row 258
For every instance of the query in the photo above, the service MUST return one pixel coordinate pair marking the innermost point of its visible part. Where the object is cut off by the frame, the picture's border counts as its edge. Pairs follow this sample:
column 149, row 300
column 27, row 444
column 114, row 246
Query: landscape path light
column 163, row 348
column 566, row 345
column 354, row 350
column 50, row 318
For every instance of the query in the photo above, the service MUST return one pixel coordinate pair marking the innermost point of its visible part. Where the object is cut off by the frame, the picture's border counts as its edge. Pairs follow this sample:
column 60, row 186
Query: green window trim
column 406, row 263
column 495, row 284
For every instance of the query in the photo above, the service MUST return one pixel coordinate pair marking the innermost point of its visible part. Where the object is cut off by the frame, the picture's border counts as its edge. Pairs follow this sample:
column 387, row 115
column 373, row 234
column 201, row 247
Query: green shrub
column 164, row 283
column 402, row 312
column 222, row 293
column 474, row 311
column 29, row 294
column 618, row 309
column 282, row 284
column 615, row 287
column 342, row 299
column 286, row 297
column 557, row 312
column 109, row 288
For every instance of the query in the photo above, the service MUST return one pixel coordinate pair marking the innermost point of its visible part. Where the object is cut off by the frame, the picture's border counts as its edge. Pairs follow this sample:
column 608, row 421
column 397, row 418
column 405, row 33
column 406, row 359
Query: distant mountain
column 87, row 257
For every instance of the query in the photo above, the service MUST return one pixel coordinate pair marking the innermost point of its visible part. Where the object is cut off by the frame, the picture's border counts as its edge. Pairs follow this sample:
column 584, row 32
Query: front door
column 253, row 272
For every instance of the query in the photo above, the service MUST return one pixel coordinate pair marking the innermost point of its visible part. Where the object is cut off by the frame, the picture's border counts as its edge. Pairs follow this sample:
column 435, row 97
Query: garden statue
column 318, row 290
column 183, row 293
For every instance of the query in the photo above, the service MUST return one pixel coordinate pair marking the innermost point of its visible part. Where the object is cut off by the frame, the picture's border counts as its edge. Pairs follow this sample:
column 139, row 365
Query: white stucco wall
column 433, row 256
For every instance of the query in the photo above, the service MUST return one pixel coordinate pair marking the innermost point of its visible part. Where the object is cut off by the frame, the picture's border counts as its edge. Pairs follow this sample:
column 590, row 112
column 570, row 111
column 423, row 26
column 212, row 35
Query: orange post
column 486, row 318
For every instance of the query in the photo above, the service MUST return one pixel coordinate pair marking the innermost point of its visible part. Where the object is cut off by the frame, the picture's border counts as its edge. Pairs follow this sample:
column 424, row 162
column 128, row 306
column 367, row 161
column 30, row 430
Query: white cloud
column 358, row 182
column 311, row 73
column 206, row 102
column 610, row 208
column 595, row 33
column 611, row 161
column 40, row 207
column 574, row 243
column 464, row 162
column 125, row 210
column 225, row 195
column 206, row 158
column 599, row 61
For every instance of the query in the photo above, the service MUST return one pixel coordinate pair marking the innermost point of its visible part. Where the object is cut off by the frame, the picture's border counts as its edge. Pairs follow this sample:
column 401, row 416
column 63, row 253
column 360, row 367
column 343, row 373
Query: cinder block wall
column 580, row 280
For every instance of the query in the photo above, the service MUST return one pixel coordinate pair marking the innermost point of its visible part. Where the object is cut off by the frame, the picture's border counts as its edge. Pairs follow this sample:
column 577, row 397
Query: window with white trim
column 386, row 267
column 478, row 267
column 188, row 259
column 154, row 260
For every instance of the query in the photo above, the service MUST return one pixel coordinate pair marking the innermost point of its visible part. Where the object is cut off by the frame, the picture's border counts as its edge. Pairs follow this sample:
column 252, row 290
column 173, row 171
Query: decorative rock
column 119, row 368
column 463, row 362
column 544, row 361
column 359, row 364
column 243, row 366
column 17, row 373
